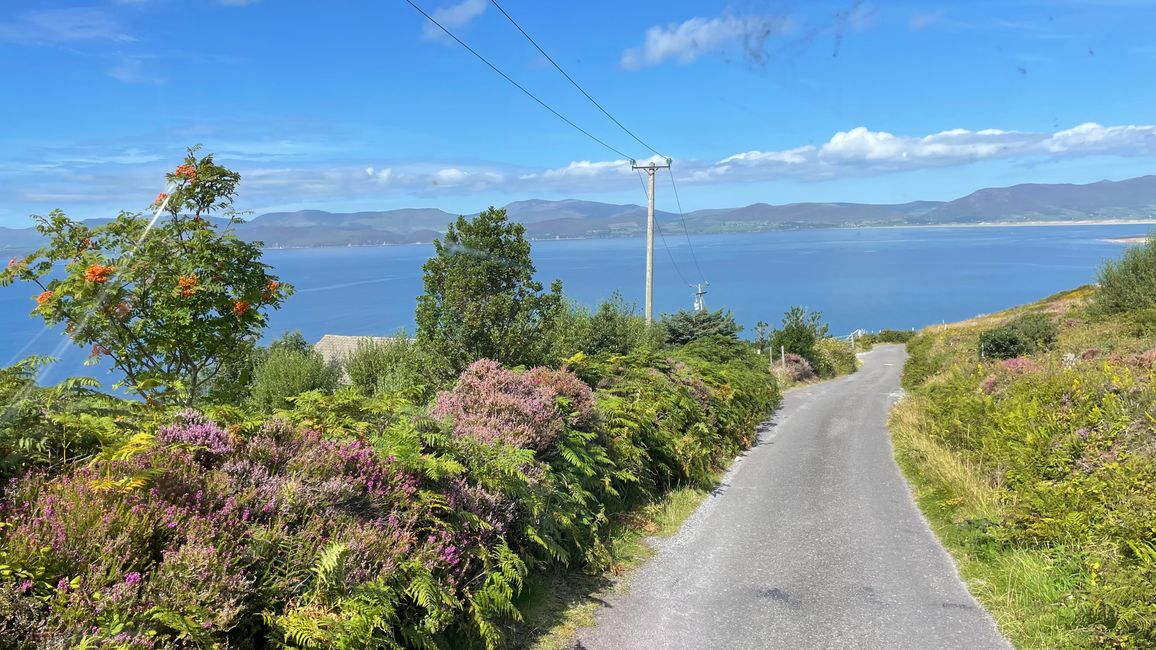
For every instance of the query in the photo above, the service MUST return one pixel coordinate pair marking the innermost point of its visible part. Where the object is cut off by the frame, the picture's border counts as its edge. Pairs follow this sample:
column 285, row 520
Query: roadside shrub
column 925, row 358
column 286, row 373
column 893, row 336
column 1039, row 329
column 492, row 404
column 1004, row 342
column 869, row 339
column 579, row 398
column 394, row 365
column 372, row 524
column 800, row 332
column 615, row 326
column 199, row 553
column 835, row 357
column 1022, row 336
column 1129, row 283
column 798, row 368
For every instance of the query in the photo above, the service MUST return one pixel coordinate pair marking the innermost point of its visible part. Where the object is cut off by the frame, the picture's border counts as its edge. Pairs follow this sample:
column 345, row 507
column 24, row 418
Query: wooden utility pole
column 650, row 170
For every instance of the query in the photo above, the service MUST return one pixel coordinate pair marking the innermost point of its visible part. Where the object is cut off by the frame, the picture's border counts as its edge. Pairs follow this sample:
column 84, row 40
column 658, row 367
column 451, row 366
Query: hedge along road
column 811, row 541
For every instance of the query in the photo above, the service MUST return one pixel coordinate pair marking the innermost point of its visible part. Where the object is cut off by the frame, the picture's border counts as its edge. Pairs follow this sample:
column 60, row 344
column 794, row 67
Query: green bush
column 923, row 361
column 396, row 365
column 1143, row 321
column 885, row 336
column 618, row 328
column 48, row 426
column 1128, row 283
column 1004, row 342
column 1020, row 337
column 286, row 372
column 800, row 332
column 615, row 327
column 1039, row 329
column 835, row 357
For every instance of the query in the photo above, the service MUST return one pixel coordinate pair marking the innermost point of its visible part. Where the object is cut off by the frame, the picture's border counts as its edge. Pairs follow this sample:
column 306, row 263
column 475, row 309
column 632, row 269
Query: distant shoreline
column 1008, row 224
column 1135, row 239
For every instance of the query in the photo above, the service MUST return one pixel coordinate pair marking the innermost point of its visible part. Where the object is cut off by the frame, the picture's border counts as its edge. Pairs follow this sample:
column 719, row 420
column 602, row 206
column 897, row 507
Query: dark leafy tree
column 763, row 333
column 685, row 326
column 481, row 300
column 800, row 332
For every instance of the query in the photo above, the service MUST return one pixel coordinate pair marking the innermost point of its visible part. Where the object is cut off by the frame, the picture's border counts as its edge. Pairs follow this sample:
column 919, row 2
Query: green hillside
column 1029, row 437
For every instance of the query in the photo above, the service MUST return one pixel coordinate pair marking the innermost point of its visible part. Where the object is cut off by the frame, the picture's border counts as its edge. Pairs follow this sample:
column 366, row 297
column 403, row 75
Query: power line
column 684, row 229
column 571, row 79
column 515, row 83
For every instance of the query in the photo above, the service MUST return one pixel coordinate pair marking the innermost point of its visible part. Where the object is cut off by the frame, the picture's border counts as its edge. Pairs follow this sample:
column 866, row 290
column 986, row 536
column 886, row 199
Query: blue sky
column 358, row 104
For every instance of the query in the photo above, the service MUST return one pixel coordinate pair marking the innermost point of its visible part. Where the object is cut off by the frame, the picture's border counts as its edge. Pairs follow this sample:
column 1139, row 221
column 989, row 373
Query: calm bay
column 868, row 278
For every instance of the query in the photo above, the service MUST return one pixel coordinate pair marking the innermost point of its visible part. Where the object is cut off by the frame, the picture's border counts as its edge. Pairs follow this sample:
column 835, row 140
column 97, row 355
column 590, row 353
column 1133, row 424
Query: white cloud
column 861, row 151
column 453, row 16
column 588, row 169
column 54, row 26
column 133, row 69
column 693, row 38
column 380, row 176
column 449, row 176
column 922, row 21
column 276, row 172
column 1094, row 138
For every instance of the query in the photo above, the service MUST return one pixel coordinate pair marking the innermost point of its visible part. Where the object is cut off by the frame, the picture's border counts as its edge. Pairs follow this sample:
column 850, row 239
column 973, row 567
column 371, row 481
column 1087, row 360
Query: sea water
column 867, row 278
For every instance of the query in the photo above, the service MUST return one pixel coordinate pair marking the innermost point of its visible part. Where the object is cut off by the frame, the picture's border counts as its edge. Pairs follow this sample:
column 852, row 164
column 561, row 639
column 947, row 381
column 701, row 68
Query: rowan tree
column 168, row 296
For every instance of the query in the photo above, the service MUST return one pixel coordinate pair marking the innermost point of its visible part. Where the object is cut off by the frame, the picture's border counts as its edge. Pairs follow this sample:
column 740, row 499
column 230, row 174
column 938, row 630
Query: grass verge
column 1027, row 591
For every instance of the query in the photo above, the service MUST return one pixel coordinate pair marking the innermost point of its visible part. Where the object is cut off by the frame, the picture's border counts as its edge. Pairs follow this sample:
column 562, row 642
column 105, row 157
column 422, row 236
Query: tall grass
column 1037, row 472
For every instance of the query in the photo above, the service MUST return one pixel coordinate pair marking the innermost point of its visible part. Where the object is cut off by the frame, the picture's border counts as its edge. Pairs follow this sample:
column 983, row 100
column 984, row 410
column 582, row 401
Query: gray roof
column 336, row 348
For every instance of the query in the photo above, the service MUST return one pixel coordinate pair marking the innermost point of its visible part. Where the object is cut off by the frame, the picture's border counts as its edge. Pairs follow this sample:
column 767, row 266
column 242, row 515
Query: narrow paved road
column 812, row 541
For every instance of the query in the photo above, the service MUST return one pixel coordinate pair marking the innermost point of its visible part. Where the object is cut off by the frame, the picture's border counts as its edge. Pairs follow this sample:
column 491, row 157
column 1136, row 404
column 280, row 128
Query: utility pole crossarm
column 650, row 169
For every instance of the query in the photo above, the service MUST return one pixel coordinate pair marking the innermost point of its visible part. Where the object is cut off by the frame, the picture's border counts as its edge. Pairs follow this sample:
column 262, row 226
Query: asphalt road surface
column 811, row 541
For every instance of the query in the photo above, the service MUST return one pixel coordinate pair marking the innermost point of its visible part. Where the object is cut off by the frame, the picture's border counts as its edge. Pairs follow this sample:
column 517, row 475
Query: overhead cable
column 515, row 83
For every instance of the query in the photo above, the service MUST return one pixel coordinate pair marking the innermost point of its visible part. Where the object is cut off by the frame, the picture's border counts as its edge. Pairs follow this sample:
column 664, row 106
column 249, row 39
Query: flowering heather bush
column 1020, row 365
column 199, row 583
column 409, row 534
column 208, row 547
column 685, row 376
column 192, row 428
column 798, row 368
column 492, row 404
column 583, row 415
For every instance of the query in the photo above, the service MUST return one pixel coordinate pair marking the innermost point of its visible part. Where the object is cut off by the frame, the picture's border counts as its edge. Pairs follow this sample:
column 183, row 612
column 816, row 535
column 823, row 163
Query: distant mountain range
column 569, row 219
